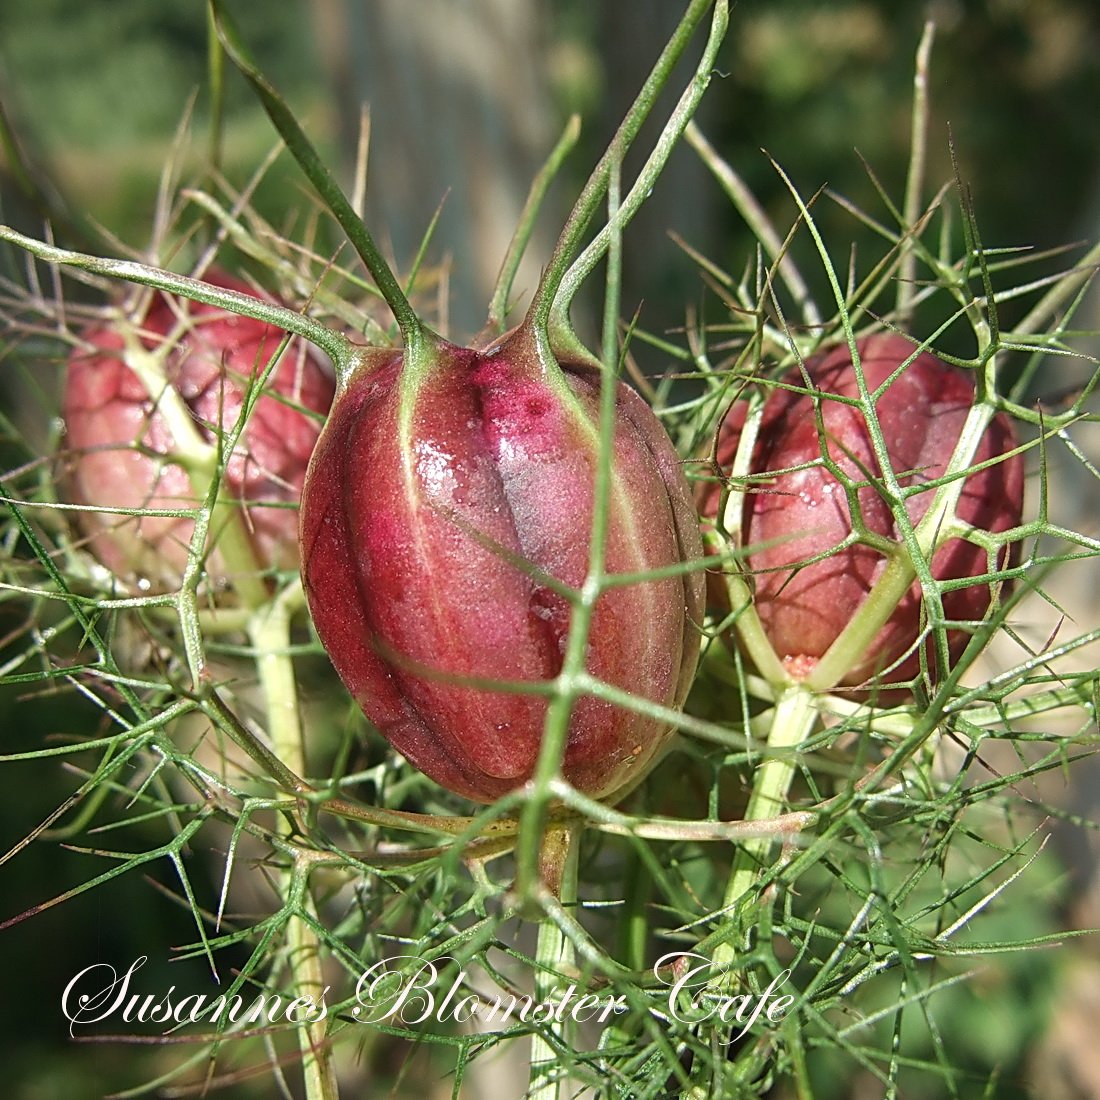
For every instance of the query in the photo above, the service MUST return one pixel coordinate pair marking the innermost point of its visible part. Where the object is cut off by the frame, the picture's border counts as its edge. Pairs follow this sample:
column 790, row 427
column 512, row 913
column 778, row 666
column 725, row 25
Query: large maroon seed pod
column 801, row 513
column 120, row 448
column 434, row 509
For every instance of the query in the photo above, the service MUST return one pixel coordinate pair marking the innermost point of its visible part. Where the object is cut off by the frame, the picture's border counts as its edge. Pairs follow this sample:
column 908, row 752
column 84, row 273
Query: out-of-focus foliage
column 811, row 82
column 98, row 91
column 100, row 88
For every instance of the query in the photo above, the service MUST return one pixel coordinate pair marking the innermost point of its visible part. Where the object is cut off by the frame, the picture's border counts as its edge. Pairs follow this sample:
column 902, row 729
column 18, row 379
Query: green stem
column 750, row 630
column 269, row 631
column 795, row 713
column 215, row 65
column 270, row 635
column 336, row 346
column 555, row 736
column 1059, row 294
column 794, row 717
column 755, row 216
column 553, row 955
column 914, row 183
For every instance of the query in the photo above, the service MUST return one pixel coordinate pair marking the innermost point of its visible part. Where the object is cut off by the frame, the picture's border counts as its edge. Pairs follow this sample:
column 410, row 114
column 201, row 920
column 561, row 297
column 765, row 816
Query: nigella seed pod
column 802, row 512
column 121, row 451
column 438, row 505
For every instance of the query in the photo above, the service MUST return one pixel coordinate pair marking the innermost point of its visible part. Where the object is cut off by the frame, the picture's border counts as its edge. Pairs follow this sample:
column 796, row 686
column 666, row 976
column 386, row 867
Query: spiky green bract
column 817, row 521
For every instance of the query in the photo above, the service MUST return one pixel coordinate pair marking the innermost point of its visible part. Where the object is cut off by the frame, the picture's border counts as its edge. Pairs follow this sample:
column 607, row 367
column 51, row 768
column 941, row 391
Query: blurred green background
column 468, row 97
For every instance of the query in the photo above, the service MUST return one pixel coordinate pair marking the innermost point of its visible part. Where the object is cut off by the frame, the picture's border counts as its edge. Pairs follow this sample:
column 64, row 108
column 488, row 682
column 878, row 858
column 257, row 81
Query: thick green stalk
column 906, row 563
column 750, row 630
column 553, row 955
column 270, row 634
column 793, row 720
column 794, row 716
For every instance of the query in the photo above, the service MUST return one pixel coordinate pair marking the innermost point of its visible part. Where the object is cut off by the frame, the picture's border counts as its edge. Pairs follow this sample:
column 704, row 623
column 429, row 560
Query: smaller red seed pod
column 121, row 451
column 802, row 512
